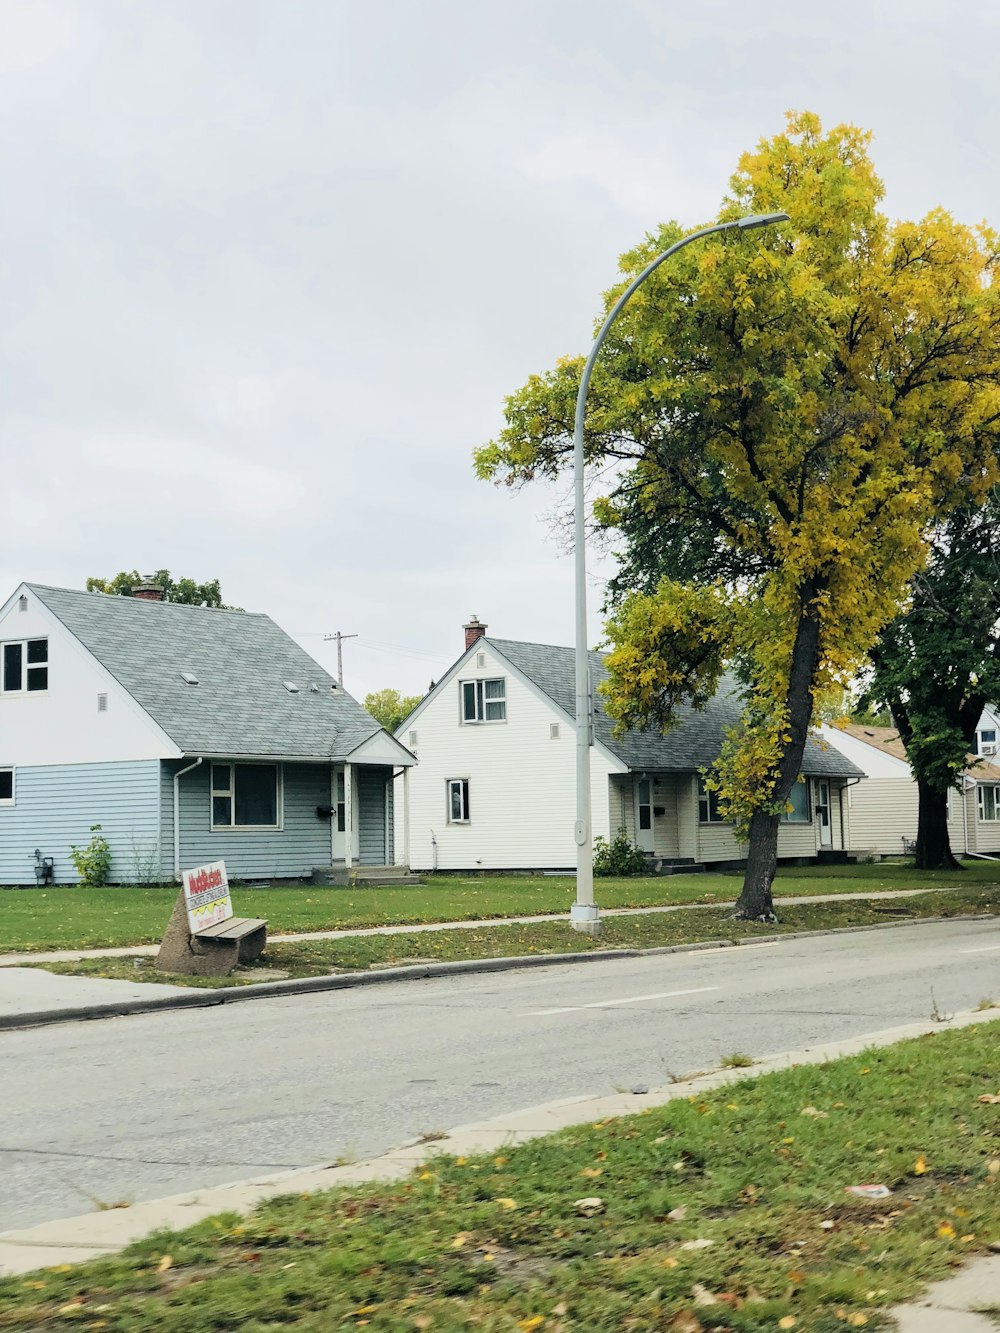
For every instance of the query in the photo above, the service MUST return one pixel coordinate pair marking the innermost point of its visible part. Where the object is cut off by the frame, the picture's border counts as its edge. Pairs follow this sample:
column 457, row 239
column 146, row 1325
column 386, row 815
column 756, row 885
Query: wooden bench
column 212, row 952
column 241, row 939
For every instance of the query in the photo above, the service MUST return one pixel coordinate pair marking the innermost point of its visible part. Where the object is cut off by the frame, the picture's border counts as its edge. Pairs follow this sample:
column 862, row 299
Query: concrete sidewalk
column 945, row 1307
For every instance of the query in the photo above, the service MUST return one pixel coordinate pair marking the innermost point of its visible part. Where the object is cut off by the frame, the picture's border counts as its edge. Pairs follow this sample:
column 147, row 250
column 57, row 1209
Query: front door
column 644, row 814
column 823, row 812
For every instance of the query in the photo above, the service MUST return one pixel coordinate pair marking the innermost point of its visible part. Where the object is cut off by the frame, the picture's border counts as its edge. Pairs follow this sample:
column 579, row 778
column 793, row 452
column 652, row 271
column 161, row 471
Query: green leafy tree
column 937, row 665
column 186, row 591
column 783, row 415
column 390, row 708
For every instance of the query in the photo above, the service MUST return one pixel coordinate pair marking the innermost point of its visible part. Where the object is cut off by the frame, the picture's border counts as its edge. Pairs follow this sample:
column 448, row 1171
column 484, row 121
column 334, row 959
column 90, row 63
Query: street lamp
column 584, row 914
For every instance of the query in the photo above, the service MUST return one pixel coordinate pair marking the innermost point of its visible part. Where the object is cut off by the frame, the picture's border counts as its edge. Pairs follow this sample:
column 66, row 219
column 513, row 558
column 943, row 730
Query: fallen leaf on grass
column 699, row 1244
column 945, row 1230
column 787, row 1321
column 592, row 1171
column 988, row 1099
column 702, row 1295
column 534, row 1321
column 920, row 1167
column 589, row 1207
column 993, row 1167
column 686, row 1321
column 165, row 1263
column 813, row 1113
column 677, row 1214
column 507, row 1203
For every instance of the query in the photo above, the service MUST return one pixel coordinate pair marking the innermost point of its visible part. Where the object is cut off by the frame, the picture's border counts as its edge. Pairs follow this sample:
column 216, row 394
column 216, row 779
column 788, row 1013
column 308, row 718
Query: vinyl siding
column 55, row 806
column 372, row 816
column 985, row 832
column 522, row 782
column 717, row 842
column 883, row 813
column 667, row 794
column 286, row 853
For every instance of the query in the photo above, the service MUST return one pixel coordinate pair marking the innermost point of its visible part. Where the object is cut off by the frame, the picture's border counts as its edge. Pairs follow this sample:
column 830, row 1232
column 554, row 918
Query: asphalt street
column 99, row 1113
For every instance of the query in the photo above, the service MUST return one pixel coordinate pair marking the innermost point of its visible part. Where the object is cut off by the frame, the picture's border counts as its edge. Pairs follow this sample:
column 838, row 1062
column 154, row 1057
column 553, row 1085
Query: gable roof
column 888, row 740
column 240, row 707
column 693, row 744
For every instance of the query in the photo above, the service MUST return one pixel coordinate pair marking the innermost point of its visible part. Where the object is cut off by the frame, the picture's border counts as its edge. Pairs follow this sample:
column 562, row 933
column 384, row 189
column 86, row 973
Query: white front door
column 644, row 814
column 823, row 812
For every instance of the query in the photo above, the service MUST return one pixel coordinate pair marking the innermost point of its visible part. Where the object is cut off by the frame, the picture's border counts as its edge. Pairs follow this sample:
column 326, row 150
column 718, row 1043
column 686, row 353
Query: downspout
column 841, row 790
column 177, row 816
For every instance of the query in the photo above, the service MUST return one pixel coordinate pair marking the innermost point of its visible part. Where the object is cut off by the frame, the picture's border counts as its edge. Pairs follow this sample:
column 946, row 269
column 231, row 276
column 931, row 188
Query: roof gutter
column 177, row 815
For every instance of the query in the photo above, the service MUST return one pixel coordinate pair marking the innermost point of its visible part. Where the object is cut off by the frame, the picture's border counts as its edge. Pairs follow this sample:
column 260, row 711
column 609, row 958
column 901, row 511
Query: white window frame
column 12, row 798
column 462, row 786
column 22, row 690
column 707, row 802
column 994, row 791
column 230, row 792
column 480, row 703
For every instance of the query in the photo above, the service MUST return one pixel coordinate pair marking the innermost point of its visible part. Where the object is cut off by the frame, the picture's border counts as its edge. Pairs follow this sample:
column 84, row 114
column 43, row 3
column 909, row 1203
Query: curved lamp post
column 584, row 914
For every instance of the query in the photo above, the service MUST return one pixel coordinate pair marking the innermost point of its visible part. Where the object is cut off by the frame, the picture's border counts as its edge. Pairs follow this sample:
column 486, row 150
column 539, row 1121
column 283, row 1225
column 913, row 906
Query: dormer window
column 484, row 700
column 25, row 667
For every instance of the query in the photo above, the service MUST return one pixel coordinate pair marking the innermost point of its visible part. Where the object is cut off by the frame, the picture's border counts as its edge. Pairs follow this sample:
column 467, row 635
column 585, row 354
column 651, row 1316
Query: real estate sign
column 206, row 893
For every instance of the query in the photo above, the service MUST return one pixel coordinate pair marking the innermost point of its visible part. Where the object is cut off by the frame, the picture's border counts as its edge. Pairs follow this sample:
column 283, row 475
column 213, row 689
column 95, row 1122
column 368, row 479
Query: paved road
column 144, row 1106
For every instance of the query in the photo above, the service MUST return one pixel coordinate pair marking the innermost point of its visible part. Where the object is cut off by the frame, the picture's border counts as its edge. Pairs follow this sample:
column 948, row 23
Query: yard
column 64, row 918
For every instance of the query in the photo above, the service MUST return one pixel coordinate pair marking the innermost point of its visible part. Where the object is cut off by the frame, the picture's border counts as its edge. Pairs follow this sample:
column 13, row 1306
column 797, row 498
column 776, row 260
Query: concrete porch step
column 674, row 865
column 369, row 876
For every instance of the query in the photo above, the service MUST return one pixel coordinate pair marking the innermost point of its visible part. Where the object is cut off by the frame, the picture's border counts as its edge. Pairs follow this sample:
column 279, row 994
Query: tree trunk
column 755, row 902
column 933, row 843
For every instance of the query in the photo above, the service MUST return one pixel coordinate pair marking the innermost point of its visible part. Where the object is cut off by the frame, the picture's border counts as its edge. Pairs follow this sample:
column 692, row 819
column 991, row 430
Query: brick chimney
column 148, row 591
column 474, row 630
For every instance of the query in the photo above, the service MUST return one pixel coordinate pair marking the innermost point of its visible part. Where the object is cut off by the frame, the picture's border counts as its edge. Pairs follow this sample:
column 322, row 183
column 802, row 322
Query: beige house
column 883, row 806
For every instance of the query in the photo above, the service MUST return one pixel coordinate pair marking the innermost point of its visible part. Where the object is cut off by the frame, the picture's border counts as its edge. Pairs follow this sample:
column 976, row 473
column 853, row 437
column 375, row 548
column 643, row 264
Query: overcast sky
column 271, row 266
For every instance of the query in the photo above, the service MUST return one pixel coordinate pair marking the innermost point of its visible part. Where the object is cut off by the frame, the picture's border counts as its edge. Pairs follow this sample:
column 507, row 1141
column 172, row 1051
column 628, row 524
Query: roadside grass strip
column 312, row 958
column 722, row 1211
column 76, row 917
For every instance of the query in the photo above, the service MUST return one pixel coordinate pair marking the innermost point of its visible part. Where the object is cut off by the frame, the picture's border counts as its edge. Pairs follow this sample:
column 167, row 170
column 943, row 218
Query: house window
column 458, row 800
column 341, row 812
column 988, row 741
column 798, row 799
column 25, row 667
column 708, row 805
column 484, row 700
column 989, row 805
column 244, row 796
column 6, row 786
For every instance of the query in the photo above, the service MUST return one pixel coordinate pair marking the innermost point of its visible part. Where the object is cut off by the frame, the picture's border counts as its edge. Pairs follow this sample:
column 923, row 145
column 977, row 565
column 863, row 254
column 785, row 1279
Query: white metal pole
column 584, row 914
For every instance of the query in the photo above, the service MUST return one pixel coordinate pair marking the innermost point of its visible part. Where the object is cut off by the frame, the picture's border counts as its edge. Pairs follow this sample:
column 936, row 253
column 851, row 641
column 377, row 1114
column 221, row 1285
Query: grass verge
column 722, row 1211
column 310, row 958
column 82, row 918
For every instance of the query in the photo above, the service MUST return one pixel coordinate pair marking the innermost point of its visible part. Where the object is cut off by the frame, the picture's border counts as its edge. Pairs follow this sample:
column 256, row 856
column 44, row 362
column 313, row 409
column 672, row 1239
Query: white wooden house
column 189, row 734
column 494, row 785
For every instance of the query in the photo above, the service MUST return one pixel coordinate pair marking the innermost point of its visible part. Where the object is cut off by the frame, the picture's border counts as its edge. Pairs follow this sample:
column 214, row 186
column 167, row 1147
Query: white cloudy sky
column 269, row 268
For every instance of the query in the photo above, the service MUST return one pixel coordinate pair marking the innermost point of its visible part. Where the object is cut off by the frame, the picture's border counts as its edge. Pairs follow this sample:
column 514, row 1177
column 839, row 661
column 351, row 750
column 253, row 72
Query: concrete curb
column 198, row 998
column 76, row 1239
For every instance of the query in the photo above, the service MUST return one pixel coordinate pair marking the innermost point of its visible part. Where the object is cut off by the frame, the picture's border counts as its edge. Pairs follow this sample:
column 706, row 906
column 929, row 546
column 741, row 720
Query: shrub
column 619, row 856
column 93, row 862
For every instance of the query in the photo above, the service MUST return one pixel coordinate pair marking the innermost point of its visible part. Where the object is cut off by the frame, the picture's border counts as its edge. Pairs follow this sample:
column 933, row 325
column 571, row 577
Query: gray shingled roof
column 693, row 744
column 239, row 708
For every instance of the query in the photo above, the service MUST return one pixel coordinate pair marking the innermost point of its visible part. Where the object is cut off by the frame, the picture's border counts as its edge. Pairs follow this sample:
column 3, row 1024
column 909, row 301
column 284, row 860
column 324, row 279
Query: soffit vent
column 102, row 703
column 22, row 603
column 413, row 739
column 189, row 678
column 553, row 731
column 480, row 659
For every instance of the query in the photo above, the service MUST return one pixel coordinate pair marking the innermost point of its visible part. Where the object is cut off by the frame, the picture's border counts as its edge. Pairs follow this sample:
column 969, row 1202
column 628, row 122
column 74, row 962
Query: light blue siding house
column 190, row 735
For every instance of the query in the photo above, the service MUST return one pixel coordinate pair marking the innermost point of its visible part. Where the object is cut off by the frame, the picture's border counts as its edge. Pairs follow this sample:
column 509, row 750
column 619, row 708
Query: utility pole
column 327, row 638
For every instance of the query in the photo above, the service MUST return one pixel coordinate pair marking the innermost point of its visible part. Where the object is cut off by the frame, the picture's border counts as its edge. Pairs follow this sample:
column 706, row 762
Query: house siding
column 372, row 797
column 290, row 852
column 883, row 814
column 55, row 806
column 717, row 842
column 522, row 781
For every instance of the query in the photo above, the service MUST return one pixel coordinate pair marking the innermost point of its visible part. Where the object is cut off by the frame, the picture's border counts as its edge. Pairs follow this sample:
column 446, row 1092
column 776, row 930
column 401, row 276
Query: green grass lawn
column 310, row 958
column 721, row 1211
column 61, row 918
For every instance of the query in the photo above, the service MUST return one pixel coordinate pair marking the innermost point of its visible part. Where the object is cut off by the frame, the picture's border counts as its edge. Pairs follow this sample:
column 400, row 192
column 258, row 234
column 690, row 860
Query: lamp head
column 760, row 220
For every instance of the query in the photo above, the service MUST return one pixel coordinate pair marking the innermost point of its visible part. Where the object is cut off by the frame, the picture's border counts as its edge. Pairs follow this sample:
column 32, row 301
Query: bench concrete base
column 213, row 952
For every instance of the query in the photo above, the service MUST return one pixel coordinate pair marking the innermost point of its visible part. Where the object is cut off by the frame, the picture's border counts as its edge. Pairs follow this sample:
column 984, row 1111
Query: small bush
column 618, row 857
column 93, row 862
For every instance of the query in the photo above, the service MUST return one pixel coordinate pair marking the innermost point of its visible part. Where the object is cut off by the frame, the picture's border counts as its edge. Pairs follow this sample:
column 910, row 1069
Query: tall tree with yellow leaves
column 784, row 419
